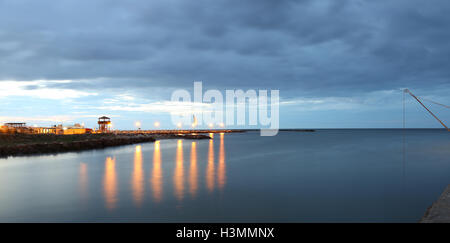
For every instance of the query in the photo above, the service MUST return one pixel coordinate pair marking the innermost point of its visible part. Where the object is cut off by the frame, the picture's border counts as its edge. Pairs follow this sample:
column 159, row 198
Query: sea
column 330, row 175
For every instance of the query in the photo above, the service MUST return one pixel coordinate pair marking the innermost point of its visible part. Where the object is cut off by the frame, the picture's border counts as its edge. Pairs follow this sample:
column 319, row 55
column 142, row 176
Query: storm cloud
column 305, row 48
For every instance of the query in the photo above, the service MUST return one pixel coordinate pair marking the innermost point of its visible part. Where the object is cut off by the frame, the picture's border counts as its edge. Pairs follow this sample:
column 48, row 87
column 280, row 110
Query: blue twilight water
column 324, row 176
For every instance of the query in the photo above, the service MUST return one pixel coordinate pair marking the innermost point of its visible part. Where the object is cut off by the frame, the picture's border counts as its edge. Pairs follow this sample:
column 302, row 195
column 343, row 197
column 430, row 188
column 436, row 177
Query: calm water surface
column 325, row 176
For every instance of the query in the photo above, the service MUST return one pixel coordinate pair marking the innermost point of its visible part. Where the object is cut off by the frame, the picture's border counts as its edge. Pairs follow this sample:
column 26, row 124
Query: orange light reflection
column 137, row 183
column 178, row 178
column 210, row 167
column 193, row 177
column 221, row 177
column 83, row 180
column 110, row 183
column 157, row 174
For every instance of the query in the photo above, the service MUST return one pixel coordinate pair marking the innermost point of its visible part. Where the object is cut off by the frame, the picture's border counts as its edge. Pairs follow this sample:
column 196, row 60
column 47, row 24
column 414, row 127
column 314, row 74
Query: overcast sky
column 336, row 63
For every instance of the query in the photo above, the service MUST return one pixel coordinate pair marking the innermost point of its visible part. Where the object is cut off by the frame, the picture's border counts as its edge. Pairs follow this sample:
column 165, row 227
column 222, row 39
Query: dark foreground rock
column 439, row 212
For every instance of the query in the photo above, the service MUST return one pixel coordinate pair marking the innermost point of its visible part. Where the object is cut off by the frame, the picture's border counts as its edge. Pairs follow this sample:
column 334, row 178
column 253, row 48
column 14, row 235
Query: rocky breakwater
column 14, row 145
column 439, row 212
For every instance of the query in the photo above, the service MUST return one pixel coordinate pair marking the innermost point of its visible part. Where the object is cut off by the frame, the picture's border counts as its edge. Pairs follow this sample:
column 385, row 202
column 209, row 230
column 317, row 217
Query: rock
column 439, row 212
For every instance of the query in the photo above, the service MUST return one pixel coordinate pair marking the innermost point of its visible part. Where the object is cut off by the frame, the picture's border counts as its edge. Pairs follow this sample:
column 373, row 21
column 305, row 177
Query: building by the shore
column 104, row 126
column 62, row 130
column 14, row 127
column 11, row 128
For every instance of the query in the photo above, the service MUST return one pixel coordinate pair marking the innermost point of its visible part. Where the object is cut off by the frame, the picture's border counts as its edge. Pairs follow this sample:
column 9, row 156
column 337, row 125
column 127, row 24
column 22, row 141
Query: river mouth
column 324, row 176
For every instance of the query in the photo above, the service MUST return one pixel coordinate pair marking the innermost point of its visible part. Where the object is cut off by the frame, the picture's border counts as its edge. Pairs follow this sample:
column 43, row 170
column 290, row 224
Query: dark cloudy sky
column 336, row 63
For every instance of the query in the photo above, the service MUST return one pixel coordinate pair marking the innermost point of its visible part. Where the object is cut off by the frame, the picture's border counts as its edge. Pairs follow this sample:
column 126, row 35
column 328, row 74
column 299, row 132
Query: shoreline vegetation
column 35, row 144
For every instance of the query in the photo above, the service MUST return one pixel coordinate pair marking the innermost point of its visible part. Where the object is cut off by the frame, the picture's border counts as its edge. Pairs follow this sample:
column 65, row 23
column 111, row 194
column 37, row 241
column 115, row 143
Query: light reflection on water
column 193, row 174
column 110, row 183
column 210, row 167
column 327, row 176
column 221, row 178
column 138, row 177
column 83, row 181
column 178, row 175
column 156, row 179
column 137, row 182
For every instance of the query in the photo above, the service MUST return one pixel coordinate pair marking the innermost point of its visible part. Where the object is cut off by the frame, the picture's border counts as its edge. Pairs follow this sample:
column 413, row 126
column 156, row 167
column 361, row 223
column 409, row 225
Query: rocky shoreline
column 19, row 145
column 439, row 212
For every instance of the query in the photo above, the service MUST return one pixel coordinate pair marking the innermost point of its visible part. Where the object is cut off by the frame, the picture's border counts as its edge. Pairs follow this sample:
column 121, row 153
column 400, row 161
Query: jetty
column 179, row 131
column 16, row 138
column 20, row 144
column 439, row 212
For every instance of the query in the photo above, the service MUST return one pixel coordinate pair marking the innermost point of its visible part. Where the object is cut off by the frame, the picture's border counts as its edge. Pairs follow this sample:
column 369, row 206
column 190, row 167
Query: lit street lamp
column 138, row 125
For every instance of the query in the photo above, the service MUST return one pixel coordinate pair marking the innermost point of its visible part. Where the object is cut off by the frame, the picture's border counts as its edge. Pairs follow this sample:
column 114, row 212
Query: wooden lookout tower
column 104, row 124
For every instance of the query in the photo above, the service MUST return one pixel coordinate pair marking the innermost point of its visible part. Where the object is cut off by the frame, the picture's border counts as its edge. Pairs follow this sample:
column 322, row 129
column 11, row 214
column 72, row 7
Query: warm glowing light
column 137, row 124
column 137, row 182
column 210, row 125
column 194, row 123
column 179, row 124
column 110, row 183
column 178, row 177
column 34, row 125
column 221, row 124
column 82, row 124
column 193, row 178
column 64, row 128
column 157, row 174
column 156, row 124
column 221, row 176
column 210, row 167
column 83, row 180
